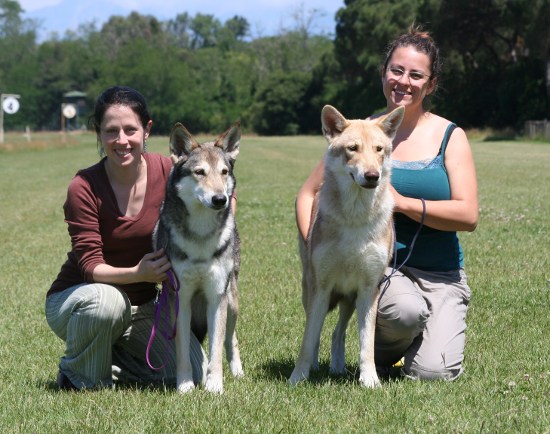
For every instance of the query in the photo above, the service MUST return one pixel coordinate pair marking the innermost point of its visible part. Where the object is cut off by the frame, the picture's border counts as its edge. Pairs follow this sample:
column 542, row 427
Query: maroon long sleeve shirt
column 101, row 234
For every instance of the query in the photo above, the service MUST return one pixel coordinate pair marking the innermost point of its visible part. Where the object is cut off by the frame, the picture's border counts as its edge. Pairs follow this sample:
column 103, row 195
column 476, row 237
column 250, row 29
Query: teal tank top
column 434, row 250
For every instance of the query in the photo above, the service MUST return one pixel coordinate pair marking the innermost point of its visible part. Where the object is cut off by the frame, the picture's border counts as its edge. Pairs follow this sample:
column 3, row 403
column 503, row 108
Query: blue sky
column 266, row 17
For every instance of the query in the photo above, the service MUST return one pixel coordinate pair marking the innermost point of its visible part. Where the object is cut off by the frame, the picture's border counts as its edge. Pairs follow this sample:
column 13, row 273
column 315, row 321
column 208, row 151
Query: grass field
column 505, row 388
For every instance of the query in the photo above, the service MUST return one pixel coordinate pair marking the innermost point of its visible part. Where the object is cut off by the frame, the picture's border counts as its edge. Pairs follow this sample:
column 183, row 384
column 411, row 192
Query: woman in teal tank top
column 434, row 250
column 421, row 321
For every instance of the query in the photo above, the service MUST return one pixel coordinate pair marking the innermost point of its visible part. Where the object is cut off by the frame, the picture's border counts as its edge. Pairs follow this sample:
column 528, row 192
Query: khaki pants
column 422, row 317
column 106, row 338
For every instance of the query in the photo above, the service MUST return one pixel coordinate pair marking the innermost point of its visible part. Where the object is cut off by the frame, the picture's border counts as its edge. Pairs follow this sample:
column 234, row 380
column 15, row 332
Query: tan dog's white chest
column 358, row 260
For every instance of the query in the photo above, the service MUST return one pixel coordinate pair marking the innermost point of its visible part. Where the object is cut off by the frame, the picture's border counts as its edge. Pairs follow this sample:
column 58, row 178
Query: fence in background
column 535, row 129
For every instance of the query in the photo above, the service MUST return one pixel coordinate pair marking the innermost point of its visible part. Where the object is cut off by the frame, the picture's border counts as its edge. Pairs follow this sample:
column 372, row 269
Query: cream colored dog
column 350, row 239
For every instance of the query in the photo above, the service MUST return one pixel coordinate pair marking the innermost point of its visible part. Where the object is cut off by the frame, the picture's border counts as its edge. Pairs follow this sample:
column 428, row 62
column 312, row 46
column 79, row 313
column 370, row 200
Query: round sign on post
column 69, row 111
column 10, row 105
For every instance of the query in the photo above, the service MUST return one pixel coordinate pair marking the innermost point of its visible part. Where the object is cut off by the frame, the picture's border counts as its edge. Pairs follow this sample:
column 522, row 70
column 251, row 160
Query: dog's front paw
column 237, row 369
column 369, row 380
column 339, row 371
column 185, row 386
column 214, row 384
column 297, row 376
column 338, row 364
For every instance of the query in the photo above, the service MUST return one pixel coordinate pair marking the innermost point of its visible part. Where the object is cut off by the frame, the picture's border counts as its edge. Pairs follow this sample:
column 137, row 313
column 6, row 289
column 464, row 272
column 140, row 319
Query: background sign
column 10, row 105
column 69, row 111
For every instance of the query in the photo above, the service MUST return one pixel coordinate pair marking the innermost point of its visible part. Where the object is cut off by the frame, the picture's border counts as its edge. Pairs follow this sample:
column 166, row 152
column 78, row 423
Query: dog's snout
column 219, row 200
column 372, row 176
column 371, row 179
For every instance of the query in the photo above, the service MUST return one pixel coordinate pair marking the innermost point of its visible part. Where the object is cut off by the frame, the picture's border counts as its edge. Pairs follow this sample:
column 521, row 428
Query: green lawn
column 505, row 388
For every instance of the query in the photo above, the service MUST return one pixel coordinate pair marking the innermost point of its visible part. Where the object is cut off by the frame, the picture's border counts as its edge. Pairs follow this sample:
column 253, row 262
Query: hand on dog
column 153, row 267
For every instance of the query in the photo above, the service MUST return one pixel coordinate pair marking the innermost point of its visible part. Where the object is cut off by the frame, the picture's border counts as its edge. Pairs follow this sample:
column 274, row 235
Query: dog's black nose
column 371, row 179
column 219, row 200
column 372, row 176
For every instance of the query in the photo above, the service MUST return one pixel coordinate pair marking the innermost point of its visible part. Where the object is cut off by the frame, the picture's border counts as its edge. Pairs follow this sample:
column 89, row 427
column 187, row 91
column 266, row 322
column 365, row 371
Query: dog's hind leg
column 217, row 317
column 231, row 343
column 305, row 294
column 184, row 370
column 367, row 305
column 338, row 349
column 315, row 317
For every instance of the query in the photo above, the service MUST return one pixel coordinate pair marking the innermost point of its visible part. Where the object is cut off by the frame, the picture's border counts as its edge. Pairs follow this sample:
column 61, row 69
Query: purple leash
column 162, row 303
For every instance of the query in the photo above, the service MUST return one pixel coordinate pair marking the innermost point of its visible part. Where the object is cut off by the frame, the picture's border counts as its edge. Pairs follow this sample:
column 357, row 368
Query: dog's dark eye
column 225, row 172
column 199, row 172
column 353, row 148
column 379, row 149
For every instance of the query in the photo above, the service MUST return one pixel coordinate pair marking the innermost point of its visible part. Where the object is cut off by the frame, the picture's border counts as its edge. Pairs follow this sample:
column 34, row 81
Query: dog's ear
column 181, row 142
column 333, row 122
column 229, row 141
column 390, row 123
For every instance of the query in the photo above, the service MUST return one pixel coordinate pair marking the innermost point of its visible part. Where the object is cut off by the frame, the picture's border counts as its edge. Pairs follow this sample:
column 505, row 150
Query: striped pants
column 106, row 338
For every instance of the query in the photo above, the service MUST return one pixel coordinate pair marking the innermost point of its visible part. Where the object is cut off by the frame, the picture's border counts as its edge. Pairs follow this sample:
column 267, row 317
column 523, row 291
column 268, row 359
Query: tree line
column 207, row 73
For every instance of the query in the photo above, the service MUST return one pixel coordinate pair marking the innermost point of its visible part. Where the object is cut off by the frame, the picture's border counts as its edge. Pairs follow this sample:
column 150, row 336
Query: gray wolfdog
column 197, row 230
column 350, row 239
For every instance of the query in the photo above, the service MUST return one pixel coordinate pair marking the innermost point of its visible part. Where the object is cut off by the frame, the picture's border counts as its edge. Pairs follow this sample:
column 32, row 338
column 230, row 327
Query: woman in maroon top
column 102, row 302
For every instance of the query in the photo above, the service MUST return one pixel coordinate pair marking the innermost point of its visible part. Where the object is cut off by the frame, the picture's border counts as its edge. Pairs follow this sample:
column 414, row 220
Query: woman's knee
column 108, row 306
column 97, row 305
column 113, row 302
column 403, row 313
